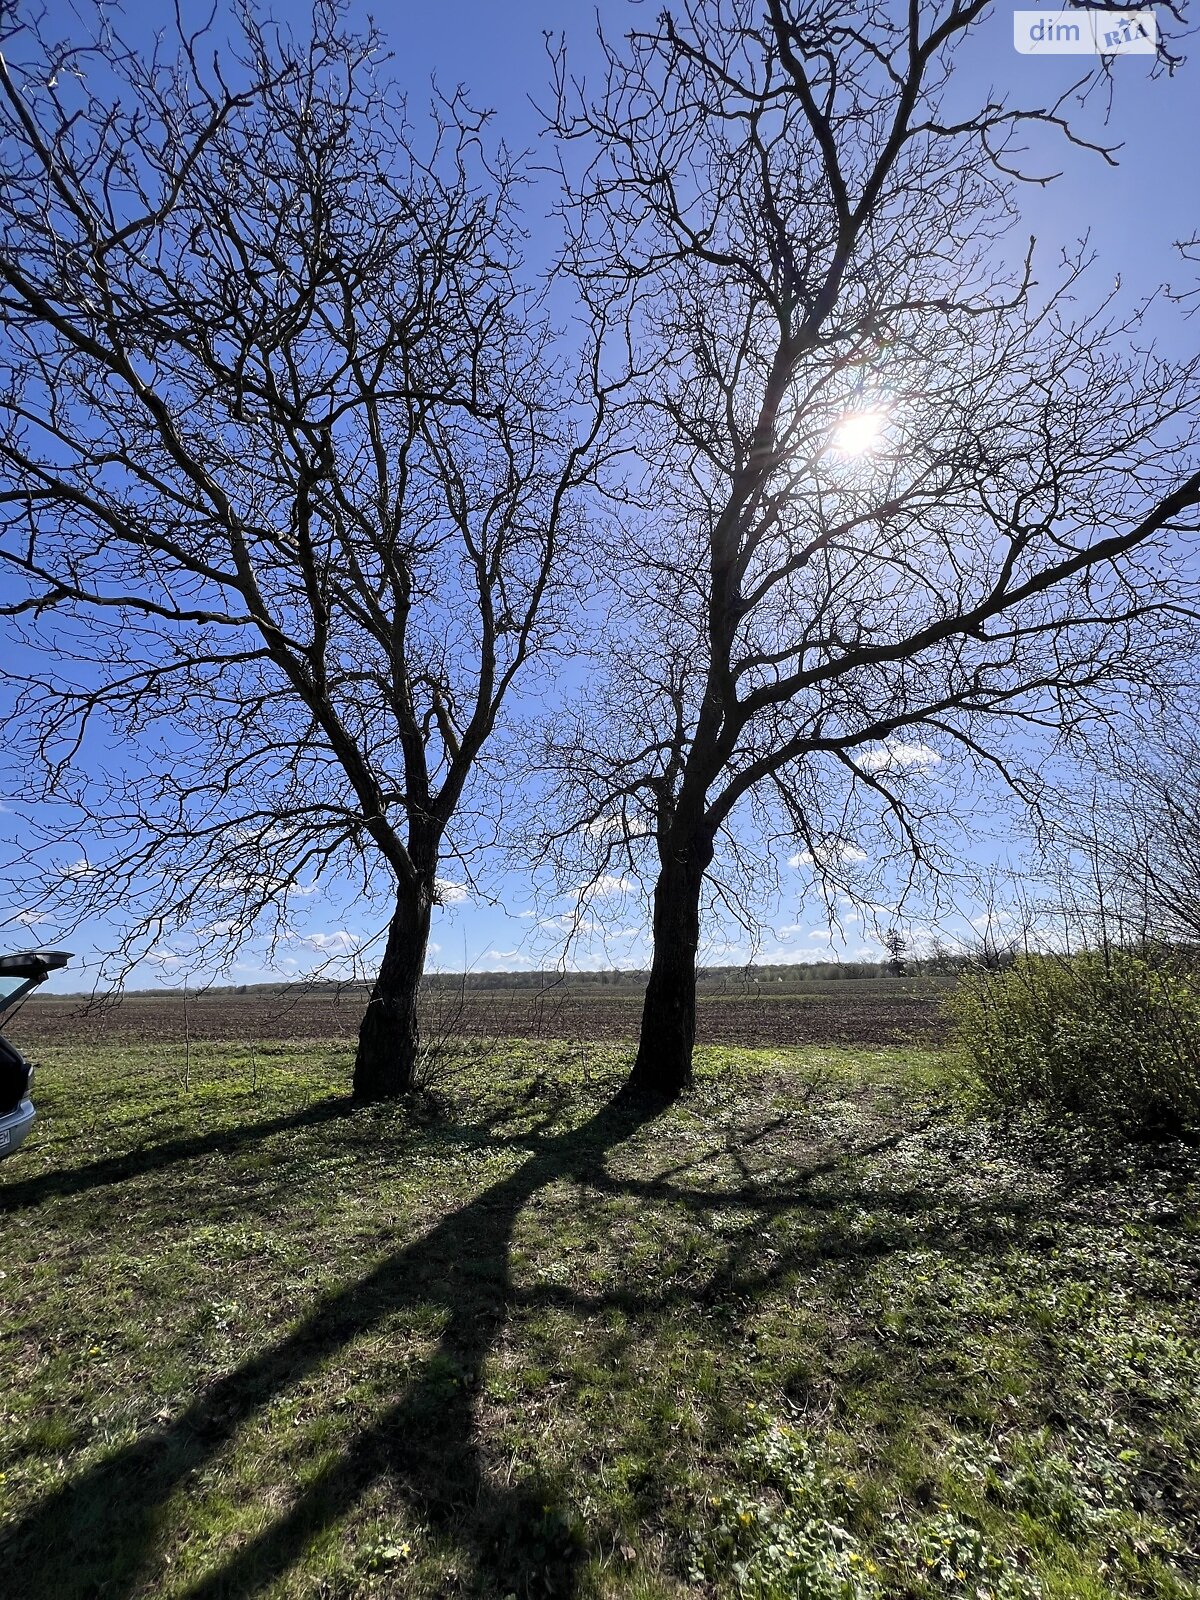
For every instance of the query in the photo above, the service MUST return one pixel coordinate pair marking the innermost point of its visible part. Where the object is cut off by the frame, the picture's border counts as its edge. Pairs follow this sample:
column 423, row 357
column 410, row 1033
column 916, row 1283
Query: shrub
column 1111, row 1036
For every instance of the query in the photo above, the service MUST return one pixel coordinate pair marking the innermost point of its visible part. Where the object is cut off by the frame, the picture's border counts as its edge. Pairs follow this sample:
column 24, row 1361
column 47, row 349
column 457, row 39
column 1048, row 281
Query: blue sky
column 1133, row 214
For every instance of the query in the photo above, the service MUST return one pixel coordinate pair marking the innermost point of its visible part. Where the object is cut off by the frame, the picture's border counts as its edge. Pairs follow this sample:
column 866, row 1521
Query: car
column 19, row 974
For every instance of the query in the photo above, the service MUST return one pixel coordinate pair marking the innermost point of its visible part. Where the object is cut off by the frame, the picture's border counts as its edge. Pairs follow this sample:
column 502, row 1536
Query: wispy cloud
column 509, row 958
column 987, row 921
column 262, row 883
column 449, row 892
column 895, row 755
column 170, row 960
column 827, row 854
column 339, row 942
column 607, row 885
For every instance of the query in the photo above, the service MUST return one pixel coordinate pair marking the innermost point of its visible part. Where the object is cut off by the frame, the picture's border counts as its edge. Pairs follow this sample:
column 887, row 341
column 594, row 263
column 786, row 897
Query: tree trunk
column 389, row 1039
column 663, row 1069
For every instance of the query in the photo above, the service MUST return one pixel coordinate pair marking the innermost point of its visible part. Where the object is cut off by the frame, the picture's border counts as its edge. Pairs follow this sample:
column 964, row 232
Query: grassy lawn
column 811, row 1334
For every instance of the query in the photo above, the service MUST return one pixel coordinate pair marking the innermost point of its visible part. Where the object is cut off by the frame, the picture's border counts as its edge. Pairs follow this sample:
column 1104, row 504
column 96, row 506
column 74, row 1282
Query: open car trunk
column 19, row 974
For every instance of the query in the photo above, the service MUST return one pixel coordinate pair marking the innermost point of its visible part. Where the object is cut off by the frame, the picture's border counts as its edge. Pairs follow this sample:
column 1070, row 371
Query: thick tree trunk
column 389, row 1039
column 663, row 1069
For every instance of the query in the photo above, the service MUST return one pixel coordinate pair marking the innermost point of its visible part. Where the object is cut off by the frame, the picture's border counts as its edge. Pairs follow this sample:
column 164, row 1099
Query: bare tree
column 894, row 503
column 290, row 479
column 1158, row 850
column 1124, row 852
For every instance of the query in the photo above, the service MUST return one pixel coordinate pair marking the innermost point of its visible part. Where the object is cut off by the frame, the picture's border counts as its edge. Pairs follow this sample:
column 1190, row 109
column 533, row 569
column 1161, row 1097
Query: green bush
column 1111, row 1036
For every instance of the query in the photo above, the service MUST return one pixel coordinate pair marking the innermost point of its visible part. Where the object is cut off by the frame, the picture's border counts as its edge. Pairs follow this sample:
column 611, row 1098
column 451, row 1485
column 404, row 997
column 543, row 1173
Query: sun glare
column 859, row 431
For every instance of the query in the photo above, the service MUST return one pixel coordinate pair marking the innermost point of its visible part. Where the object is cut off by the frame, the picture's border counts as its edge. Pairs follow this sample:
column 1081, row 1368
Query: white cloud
column 264, row 833
column 608, row 883
column 338, row 943
column 988, row 921
column 450, row 893
column 894, row 755
column 510, row 958
column 81, row 869
column 577, row 923
column 827, row 853
column 32, row 918
column 262, row 883
column 166, row 958
column 792, row 930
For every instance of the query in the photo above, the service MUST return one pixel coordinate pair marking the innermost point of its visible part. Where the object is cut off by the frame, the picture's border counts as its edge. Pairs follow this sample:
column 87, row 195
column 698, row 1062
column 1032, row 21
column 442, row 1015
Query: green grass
column 813, row 1333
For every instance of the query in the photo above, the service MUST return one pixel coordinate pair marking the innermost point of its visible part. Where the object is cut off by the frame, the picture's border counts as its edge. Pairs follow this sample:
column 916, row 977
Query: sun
column 859, row 432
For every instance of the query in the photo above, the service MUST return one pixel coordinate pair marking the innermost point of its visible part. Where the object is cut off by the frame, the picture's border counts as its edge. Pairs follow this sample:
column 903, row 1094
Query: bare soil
column 852, row 1015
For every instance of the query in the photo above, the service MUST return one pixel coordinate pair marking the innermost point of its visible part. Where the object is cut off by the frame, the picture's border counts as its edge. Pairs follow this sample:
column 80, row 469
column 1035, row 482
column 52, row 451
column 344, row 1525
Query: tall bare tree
column 1155, row 843
column 894, row 501
column 291, row 475
column 1124, row 850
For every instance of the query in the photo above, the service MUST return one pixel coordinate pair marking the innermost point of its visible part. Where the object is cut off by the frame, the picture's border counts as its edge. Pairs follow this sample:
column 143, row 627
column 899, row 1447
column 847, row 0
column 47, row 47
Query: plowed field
column 852, row 1014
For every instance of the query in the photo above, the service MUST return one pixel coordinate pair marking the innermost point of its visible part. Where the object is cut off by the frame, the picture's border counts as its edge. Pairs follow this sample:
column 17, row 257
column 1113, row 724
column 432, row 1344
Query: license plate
column 5, row 1136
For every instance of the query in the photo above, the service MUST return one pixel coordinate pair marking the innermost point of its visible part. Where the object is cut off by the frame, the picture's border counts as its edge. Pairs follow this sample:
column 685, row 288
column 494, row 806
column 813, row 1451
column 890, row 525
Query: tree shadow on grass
column 98, row 1534
column 154, row 1158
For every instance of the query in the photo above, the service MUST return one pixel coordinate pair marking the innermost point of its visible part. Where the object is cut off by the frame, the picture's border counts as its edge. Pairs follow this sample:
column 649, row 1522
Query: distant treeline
column 710, row 980
column 723, row 980
column 783, row 977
